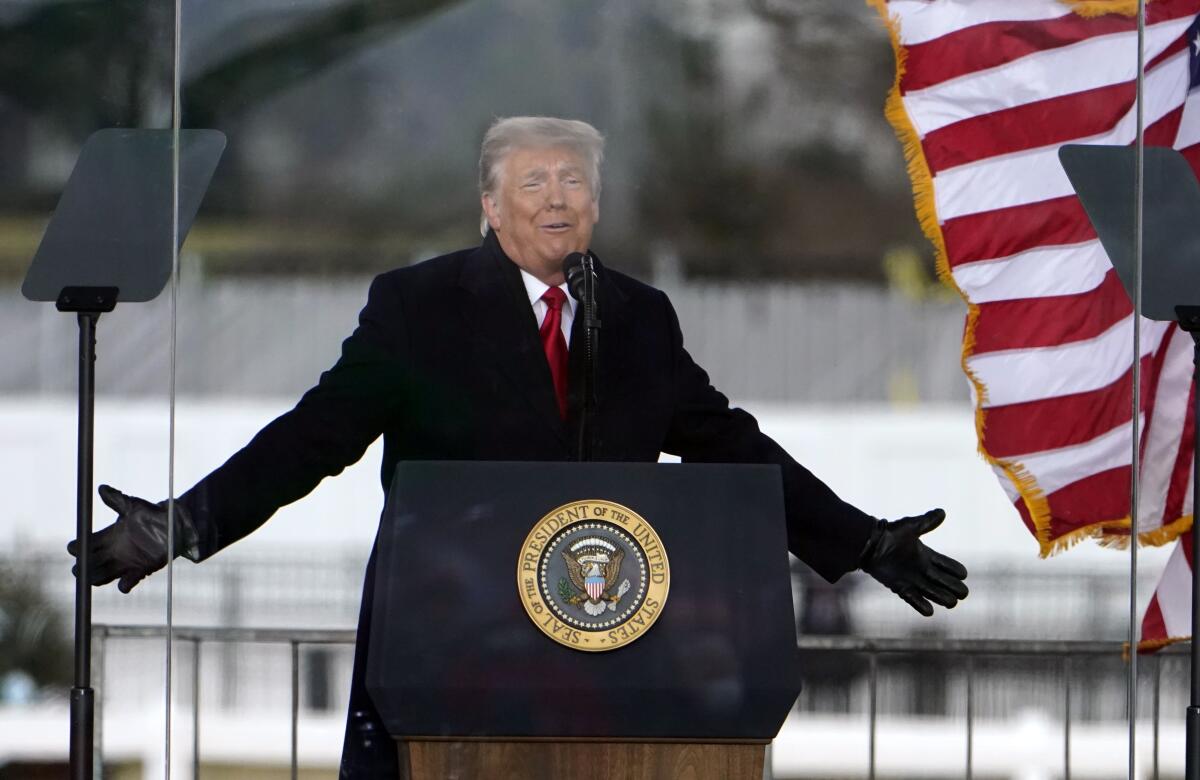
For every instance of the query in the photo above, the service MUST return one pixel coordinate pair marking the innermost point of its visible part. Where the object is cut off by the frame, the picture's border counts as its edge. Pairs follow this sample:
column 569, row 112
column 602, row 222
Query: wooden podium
column 599, row 760
column 480, row 671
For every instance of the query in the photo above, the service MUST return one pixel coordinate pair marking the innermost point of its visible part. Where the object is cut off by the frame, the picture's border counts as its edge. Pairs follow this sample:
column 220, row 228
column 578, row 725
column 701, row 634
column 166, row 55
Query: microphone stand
column 591, row 348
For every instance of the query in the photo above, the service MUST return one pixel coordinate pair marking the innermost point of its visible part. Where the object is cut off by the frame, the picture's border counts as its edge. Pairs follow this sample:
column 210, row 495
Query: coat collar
column 505, row 331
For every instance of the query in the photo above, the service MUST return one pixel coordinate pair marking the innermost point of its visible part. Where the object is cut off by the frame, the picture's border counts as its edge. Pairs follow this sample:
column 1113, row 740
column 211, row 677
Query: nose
column 555, row 196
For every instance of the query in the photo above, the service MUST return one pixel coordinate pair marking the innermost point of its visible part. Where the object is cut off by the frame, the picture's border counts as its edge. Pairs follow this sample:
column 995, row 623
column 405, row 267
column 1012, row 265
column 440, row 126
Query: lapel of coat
column 504, row 331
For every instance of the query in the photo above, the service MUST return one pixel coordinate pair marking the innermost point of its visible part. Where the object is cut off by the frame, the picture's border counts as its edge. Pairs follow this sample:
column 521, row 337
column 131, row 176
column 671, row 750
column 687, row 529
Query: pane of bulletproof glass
column 1167, row 199
column 751, row 172
column 85, row 98
column 1045, row 343
column 1143, row 201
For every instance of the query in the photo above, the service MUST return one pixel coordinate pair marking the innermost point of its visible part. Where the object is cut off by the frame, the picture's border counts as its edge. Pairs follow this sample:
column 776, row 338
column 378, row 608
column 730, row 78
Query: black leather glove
column 136, row 544
column 896, row 556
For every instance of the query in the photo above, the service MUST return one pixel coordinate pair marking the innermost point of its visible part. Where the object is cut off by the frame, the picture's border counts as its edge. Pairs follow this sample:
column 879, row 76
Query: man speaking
column 472, row 356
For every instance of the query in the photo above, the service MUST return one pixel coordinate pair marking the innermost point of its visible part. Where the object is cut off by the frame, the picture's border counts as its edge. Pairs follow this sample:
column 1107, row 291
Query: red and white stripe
column 1168, row 617
column 989, row 91
column 595, row 589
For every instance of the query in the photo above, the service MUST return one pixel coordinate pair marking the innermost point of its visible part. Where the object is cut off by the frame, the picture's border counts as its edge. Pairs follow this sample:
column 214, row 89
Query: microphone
column 575, row 271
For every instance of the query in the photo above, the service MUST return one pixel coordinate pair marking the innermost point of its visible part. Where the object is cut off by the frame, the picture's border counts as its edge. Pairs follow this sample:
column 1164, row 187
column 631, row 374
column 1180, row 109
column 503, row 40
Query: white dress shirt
column 536, row 288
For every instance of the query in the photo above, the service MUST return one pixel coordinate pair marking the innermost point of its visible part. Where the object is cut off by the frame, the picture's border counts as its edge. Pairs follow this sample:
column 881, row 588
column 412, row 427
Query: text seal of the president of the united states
column 593, row 575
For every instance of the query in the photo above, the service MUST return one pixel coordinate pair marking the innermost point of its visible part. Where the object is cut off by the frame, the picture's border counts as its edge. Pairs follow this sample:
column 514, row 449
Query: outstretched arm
column 329, row 429
column 830, row 535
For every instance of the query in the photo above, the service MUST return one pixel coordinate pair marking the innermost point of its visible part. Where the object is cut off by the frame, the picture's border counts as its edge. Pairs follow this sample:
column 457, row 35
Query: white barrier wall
column 891, row 461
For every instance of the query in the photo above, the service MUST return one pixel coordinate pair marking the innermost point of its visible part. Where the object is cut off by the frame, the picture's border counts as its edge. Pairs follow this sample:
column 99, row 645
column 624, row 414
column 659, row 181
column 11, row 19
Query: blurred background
column 750, row 173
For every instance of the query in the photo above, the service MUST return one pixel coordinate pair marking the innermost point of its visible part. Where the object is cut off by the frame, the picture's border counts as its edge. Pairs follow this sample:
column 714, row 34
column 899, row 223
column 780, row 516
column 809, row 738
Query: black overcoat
column 446, row 364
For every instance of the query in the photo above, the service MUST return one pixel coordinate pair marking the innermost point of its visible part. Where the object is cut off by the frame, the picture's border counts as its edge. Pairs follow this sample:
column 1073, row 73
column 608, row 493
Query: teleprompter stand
column 110, row 240
column 1103, row 176
column 468, row 679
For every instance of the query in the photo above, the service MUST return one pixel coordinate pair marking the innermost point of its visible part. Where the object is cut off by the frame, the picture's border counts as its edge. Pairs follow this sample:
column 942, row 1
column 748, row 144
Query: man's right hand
column 134, row 546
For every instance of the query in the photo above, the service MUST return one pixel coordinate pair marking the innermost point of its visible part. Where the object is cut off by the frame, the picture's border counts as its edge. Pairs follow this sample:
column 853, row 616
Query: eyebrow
column 541, row 172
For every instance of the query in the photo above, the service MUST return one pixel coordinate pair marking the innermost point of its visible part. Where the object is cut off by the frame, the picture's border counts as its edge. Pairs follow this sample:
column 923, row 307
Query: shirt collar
column 535, row 288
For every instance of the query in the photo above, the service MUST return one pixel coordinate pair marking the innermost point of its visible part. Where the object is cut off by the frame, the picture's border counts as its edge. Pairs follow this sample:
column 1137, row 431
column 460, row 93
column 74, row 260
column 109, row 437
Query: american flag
column 986, row 92
column 1168, row 617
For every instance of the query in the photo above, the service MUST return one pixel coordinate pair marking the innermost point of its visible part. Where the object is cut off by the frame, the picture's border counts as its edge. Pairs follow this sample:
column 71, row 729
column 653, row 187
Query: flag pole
column 1135, row 469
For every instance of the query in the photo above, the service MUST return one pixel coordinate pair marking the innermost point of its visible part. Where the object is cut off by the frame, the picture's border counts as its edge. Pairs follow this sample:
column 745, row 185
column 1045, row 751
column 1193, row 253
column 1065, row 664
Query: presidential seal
column 593, row 575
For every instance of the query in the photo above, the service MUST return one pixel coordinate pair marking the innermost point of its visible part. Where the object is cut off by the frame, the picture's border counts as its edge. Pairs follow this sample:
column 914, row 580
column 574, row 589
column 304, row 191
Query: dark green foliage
column 33, row 638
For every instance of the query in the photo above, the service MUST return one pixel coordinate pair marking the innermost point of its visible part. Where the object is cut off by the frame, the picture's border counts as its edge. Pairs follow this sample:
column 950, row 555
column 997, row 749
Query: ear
column 596, row 210
column 492, row 209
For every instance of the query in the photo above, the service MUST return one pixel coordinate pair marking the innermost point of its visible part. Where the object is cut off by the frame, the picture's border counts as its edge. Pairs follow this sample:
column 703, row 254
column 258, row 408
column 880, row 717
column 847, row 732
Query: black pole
column 88, row 303
column 82, row 695
column 1189, row 320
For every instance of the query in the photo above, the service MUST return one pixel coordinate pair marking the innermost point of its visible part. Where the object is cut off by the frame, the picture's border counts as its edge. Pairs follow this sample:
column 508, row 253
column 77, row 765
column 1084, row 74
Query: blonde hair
column 537, row 132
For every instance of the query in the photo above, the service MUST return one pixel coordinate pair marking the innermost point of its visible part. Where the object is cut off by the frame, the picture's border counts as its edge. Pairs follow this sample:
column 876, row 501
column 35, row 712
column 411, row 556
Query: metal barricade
column 1065, row 654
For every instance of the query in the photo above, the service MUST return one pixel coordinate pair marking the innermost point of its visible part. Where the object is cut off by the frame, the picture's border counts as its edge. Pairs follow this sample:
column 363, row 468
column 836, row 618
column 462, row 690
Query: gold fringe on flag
column 1150, row 645
column 923, row 197
column 1167, row 533
column 1091, row 8
column 1116, row 533
column 1107, row 533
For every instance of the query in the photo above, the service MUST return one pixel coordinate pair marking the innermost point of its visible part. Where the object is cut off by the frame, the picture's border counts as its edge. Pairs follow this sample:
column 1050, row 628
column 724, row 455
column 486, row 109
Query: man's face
column 542, row 209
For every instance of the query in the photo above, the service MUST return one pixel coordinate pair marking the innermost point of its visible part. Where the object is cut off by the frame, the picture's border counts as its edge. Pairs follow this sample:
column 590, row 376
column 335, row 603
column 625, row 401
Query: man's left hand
column 896, row 556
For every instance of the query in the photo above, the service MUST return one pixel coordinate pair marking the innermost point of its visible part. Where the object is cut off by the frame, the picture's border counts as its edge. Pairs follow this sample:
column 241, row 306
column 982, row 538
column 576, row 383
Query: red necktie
column 555, row 345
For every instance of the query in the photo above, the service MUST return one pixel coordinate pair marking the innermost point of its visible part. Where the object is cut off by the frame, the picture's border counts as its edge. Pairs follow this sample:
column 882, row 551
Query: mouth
column 556, row 227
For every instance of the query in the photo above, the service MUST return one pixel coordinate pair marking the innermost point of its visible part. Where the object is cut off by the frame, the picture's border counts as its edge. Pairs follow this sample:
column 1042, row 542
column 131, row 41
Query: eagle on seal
column 594, row 571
